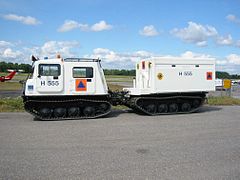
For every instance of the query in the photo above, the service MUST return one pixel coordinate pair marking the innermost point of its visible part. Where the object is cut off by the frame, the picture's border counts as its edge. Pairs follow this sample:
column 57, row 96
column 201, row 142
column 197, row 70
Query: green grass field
column 11, row 105
column 10, row 86
column 115, row 78
column 225, row 100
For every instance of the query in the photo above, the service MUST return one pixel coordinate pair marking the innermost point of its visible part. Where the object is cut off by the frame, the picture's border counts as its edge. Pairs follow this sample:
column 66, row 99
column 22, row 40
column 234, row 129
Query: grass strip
column 10, row 86
column 224, row 100
column 11, row 105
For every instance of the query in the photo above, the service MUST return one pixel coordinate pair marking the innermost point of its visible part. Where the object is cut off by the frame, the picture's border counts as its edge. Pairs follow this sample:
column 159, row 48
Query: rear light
column 143, row 64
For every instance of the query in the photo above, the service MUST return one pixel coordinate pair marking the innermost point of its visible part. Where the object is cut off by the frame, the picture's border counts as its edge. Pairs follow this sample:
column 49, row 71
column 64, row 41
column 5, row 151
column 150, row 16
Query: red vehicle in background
column 8, row 77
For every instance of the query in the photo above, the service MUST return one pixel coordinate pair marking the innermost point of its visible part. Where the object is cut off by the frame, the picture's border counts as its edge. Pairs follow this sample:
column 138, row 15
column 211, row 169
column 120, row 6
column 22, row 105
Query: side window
column 49, row 70
column 82, row 72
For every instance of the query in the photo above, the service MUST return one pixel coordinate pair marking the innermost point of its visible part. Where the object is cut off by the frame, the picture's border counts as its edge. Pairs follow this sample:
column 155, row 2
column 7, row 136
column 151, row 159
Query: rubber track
column 31, row 110
column 135, row 106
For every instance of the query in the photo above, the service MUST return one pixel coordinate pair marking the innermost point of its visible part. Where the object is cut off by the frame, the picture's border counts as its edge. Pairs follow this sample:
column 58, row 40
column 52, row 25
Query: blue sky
column 121, row 32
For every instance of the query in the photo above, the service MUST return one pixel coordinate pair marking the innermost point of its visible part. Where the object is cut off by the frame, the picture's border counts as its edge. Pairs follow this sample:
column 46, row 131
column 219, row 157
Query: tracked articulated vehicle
column 75, row 88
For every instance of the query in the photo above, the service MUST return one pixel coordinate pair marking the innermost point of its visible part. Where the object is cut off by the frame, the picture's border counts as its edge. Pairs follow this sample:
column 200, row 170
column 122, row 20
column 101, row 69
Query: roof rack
column 81, row 60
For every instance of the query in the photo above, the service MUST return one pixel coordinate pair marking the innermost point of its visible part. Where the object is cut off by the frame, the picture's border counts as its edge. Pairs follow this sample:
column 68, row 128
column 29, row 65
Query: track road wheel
column 186, row 107
column 45, row 112
column 163, row 108
column 60, row 112
column 103, row 107
column 151, row 108
column 173, row 107
column 73, row 111
column 89, row 111
column 196, row 103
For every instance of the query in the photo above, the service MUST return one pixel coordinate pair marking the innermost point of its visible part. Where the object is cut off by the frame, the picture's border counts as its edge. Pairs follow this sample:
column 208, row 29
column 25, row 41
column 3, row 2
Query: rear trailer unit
column 171, row 85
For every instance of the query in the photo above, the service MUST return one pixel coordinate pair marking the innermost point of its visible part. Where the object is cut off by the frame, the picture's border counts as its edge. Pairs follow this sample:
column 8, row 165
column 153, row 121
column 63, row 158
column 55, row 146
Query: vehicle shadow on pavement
column 205, row 109
column 113, row 113
column 117, row 112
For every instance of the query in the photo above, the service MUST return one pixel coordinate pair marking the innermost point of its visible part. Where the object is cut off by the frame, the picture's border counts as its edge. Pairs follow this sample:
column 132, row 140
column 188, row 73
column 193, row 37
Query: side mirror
column 33, row 58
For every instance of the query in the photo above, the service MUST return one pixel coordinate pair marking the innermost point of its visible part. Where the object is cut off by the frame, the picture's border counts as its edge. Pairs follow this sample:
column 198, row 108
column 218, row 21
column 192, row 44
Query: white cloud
column 4, row 44
column 201, row 43
column 71, row 24
column 200, row 34
column 106, row 54
column 149, row 31
column 221, row 62
column 126, row 60
column 230, row 64
column 28, row 20
column 119, row 60
column 238, row 43
column 110, row 56
column 14, row 52
column 234, row 59
column 224, row 40
column 233, row 18
column 51, row 48
column 195, row 33
column 101, row 26
column 190, row 54
column 68, row 26
column 8, row 52
column 11, row 54
column 143, row 54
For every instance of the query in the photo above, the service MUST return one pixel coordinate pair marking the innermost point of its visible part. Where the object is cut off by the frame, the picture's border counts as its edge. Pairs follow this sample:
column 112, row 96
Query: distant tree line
column 4, row 66
column 225, row 75
column 119, row 72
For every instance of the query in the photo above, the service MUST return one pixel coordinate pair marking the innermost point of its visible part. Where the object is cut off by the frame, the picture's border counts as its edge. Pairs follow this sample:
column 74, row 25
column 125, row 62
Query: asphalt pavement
column 124, row 145
column 12, row 94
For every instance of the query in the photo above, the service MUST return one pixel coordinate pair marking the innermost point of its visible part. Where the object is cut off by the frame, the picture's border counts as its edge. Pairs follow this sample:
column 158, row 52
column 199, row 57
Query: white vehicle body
column 75, row 88
column 173, row 75
column 58, row 77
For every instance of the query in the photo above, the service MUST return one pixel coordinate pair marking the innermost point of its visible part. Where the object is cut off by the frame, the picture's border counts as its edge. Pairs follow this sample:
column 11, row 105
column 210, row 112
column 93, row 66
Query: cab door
column 50, row 78
column 145, row 75
column 84, row 81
